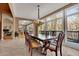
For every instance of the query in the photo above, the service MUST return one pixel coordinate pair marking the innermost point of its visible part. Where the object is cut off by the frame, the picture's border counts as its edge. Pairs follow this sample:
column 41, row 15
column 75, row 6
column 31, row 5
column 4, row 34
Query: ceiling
column 29, row 10
column 23, row 22
column 4, row 7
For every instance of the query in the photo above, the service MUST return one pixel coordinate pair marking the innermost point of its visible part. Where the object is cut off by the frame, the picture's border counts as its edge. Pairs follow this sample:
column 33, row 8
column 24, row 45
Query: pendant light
column 38, row 21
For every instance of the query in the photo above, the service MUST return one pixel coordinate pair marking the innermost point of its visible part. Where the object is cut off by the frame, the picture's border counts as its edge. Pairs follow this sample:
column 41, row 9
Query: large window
column 73, row 23
column 30, row 28
column 41, row 28
column 55, row 24
column 52, row 23
column 57, row 21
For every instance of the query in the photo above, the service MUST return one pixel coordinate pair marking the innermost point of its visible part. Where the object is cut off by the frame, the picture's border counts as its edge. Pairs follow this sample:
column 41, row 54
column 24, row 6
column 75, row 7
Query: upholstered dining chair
column 56, row 44
column 32, row 43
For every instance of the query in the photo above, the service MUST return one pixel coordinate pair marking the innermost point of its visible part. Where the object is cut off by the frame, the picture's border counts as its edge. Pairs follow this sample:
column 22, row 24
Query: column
column 65, row 25
column 35, row 29
column 0, row 25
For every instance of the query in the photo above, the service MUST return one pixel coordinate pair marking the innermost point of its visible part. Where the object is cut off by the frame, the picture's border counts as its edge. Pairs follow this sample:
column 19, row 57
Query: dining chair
column 26, row 38
column 57, row 44
column 32, row 43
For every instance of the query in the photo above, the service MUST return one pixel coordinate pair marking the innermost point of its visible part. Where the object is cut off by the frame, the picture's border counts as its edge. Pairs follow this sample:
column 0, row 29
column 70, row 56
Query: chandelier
column 38, row 21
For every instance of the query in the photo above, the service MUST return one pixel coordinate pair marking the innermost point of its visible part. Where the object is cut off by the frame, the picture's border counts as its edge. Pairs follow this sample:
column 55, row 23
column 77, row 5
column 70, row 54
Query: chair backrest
column 60, row 40
column 53, row 33
column 27, row 38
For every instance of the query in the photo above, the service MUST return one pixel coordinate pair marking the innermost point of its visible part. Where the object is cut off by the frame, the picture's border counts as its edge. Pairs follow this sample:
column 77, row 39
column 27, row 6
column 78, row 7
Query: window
column 29, row 28
column 49, row 26
column 41, row 29
column 57, row 21
column 52, row 23
column 72, row 10
column 59, row 24
column 73, row 23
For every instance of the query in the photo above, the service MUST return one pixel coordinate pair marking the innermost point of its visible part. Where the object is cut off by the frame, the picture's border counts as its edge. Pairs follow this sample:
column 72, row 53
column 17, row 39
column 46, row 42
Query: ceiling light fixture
column 38, row 21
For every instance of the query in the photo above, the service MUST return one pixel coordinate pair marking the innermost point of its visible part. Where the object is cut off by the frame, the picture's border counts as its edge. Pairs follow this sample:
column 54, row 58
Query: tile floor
column 16, row 47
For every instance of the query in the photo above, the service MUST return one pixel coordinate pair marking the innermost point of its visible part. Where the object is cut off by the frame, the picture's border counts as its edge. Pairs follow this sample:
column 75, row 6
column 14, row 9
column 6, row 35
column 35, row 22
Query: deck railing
column 72, row 36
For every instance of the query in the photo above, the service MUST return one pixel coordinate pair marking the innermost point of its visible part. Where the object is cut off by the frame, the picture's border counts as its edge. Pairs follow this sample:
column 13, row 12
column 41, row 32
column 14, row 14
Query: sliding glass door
column 72, row 14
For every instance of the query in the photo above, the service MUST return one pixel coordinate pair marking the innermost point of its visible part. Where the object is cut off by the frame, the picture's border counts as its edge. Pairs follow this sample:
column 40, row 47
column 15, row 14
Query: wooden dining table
column 43, row 37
